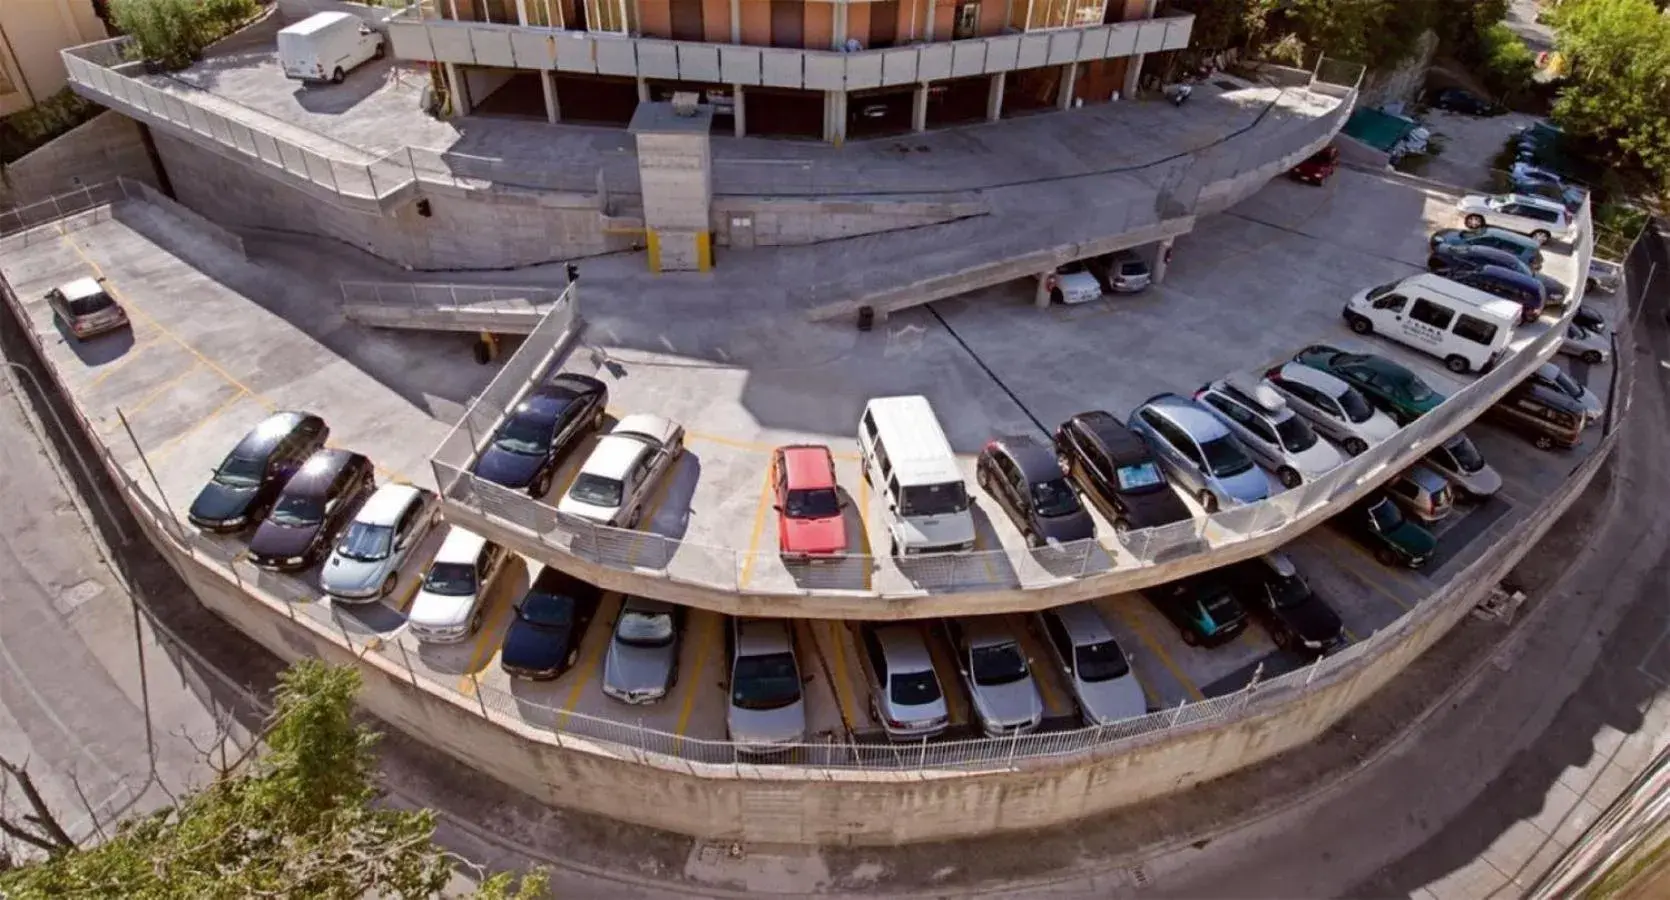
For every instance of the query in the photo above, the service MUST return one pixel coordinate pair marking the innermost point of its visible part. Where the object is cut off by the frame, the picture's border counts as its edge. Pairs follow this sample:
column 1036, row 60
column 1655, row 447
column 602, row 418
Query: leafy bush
column 1508, row 63
column 174, row 32
column 24, row 131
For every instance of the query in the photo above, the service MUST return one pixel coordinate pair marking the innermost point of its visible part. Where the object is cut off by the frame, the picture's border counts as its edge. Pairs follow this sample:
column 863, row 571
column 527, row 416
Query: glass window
column 451, row 579
column 1467, row 457
column 1287, row 593
column 1136, row 476
column 1054, row 498
column 641, row 628
column 366, row 542
column 769, row 681
column 525, row 434
column 597, row 490
column 299, row 511
column 1225, row 458
column 1375, row 293
column 92, row 303
column 241, row 471
column 1101, row 661
column 933, row 499
column 1476, row 330
column 1386, row 515
column 818, row 504
column 913, row 688
column 1295, row 435
column 997, row 664
column 967, row 22
column 1392, row 303
column 1428, row 313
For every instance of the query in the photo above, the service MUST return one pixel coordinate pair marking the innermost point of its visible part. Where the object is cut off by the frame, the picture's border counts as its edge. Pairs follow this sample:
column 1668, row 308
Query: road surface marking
column 591, row 659
column 845, row 687
column 485, row 645
column 759, row 526
column 174, row 442
column 1135, row 623
column 155, row 393
column 692, row 680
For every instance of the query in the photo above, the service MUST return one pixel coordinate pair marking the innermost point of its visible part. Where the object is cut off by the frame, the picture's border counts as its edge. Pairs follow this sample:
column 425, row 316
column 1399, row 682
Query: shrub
column 24, row 131
column 1508, row 63
column 174, row 32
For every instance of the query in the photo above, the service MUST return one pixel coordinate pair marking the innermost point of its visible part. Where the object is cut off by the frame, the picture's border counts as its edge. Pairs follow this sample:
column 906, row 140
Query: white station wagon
column 623, row 470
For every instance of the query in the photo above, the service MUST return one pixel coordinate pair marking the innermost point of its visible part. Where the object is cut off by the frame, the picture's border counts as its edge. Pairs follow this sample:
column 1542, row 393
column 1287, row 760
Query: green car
column 1398, row 391
column 1379, row 525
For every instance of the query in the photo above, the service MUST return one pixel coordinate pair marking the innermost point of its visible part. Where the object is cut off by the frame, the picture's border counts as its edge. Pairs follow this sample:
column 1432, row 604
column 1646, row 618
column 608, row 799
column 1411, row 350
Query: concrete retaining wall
column 104, row 149
column 783, row 222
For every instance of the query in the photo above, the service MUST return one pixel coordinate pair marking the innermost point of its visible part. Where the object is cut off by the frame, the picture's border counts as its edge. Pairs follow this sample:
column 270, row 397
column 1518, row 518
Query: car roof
column 614, row 455
column 317, row 22
column 1534, row 200
column 1480, row 251
column 759, row 637
column 320, row 469
column 1503, row 234
column 647, row 424
column 1120, row 442
column 986, row 631
column 1550, row 396
column 903, row 646
column 387, row 504
column 646, row 605
column 1187, row 415
column 460, row 546
column 266, row 434
column 81, row 287
column 1310, row 377
column 917, row 448
column 807, row 466
column 1083, row 623
column 1513, row 275
column 1258, row 398
column 1430, row 481
column 1036, row 461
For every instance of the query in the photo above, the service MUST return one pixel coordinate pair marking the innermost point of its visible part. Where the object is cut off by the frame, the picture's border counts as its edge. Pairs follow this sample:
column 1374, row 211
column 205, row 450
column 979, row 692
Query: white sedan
column 1593, row 347
column 623, row 470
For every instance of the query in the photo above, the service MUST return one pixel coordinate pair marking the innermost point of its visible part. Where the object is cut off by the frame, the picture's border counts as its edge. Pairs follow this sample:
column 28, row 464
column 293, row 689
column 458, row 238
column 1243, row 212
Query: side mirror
column 845, row 503
column 806, row 679
column 777, row 506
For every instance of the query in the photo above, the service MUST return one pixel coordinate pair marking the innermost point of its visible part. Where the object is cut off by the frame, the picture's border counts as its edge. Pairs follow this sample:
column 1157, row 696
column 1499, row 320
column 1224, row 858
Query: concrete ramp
column 447, row 307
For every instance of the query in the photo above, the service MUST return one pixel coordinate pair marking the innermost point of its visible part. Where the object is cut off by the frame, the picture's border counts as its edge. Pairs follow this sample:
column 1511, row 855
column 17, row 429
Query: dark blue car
column 538, row 432
column 543, row 641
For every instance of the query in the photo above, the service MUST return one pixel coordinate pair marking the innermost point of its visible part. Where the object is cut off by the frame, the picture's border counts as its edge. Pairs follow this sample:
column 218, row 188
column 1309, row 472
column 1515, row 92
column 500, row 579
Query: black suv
column 315, row 504
column 1021, row 474
column 545, row 423
column 1298, row 620
column 543, row 641
column 1203, row 607
column 247, row 481
column 1114, row 468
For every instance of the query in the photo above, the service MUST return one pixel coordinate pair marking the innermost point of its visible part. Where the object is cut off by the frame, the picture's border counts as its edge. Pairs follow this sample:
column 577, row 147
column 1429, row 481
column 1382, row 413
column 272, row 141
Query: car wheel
column 337, row 76
column 1541, row 236
column 1456, row 364
column 392, row 579
column 1544, row 442
column 380, row 52
column 1208, row 501
column 1436, row 266
column 1057, row 297
column 1359, row 324
column 1289, row 478
column 1592, row 357
column 1386, row 556
column 1356, row 446
column 984, row 479
column 573, row 657
column 1190, row 638
column 542, row 486
column 1473, row 220
column 1284, row 641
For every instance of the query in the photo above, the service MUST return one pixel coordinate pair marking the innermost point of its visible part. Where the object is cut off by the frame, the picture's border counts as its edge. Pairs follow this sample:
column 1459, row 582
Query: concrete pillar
column 643, row 89
column 1133, row 71
column 1041, row 296
column 675, row 167
column 548, row 81
column 994, row 98
column 919, row 108
column 459, row 88
column 835, row 117
column 1162, row 254
column 838, row 33
column 1064, row 93
column 736, row 21
column 741, row 113
column 928, row 26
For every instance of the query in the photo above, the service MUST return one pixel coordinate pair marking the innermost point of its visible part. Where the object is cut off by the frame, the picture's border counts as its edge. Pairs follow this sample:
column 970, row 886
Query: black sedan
column 1298, row 620
column 316, row 503
column 1466, row 102
column 543, row 641
column 1021, row 474
column 245, row 484
column 549, row 419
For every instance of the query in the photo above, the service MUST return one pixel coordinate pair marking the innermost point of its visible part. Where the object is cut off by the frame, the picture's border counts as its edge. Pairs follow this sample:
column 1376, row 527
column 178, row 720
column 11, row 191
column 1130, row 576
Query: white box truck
column 327, row 46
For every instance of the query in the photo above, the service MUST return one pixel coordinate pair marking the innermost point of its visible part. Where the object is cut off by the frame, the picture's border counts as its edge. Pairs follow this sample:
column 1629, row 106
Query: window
column 967, row 23
column 878, row 660
column 1475, row 330
column 1391, row 302
column 1428, row 313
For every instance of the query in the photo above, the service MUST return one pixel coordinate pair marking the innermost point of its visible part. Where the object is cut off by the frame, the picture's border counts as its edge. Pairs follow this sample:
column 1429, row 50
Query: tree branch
column 87, row 805
column 43, row 813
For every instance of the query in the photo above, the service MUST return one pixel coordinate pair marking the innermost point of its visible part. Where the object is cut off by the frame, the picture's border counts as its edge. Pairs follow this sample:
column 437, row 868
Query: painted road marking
column 949, row 678
column 692, row 681
column 759, row 527
column 157, row 392
column 1135, row 623
column 1043, row 669
column 846, row 688
column 486, row 643
column 593, row 658
column 174, row 442
column 116, row 365
column 1346, row 554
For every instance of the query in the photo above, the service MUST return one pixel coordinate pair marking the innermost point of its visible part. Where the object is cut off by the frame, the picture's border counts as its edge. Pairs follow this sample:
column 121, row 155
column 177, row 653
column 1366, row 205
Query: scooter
column 1178, row 94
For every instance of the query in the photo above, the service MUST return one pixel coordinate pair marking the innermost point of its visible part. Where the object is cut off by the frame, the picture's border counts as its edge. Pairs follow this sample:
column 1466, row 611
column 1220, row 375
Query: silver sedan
column 641, row 664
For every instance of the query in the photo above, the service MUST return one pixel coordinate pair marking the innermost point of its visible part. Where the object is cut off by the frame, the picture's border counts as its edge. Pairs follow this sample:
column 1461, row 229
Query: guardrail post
column 480, row 700
column 1014, row 744
column 1178, row 714
column 407, row 659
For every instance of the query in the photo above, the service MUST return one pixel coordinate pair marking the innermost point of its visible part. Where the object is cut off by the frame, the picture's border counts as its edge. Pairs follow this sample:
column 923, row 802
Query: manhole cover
column 75, row 595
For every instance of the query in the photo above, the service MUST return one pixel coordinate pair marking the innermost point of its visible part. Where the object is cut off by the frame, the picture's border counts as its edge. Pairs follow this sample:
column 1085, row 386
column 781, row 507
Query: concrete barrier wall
column 103, row 149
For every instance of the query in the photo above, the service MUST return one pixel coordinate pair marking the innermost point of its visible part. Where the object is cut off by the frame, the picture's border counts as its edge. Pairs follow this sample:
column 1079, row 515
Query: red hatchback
column 1317, row 168
column 809, row 522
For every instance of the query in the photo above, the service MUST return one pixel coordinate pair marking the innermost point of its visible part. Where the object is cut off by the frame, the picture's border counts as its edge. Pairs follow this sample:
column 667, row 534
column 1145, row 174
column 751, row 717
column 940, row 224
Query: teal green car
column 1378, row 524
column 1398, row 391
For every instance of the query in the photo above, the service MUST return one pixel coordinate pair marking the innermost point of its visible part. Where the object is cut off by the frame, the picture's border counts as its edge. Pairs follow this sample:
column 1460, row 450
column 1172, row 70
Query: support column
column 1064, row 94
column 835, row 117
column 675, row 168
column 919, row 109
column 643, row 89
column 736, row 21
column 994, row 98
column 838, row 31
column 1162, row 259
column 740, row 113
column 459, row 88
column 548, row 81
column 1133, row 70
column 1041, row 296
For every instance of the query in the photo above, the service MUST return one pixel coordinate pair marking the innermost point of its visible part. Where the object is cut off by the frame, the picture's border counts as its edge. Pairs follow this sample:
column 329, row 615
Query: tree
column 1618, row 91
column 294, row 816
column 174, row 32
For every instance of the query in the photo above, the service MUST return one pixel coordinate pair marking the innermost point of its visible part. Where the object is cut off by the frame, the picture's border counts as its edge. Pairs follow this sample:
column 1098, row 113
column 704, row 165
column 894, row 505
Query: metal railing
column 471, row 306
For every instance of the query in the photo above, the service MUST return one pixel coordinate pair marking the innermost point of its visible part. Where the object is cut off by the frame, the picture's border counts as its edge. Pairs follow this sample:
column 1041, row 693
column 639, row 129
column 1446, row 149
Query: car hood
column 276, row 541
column 783, row 725
column 1312, row 621
column 1066, row 529
column 1379, row 427
column 825, row 535
column 638, row 669
column 1009, row 704
column 955, row 528
column 1248, row 487
column 439, row 610
column 351, row 576
column 1414, row 539
column 1482, row 483
column 217, row 502
column 1473, row 203
column 1153, row 508
column 513, row 470
column 1076, row 282
column 1319, row 460
column 602, row 515
column 533, row 647
column 1113, row 700
column 1591, row 403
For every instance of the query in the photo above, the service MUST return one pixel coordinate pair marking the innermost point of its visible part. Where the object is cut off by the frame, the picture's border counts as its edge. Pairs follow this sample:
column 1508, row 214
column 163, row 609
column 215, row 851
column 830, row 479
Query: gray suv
column 1199, row 452
column 997, row 674
column 1092, row 663
column 905, row 696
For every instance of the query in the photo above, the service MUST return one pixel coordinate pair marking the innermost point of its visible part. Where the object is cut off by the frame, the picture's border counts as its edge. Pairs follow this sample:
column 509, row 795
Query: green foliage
column 54, row 115
column 1618, row 92
column 1507, row 63
column 299, row 820
column 1377, row 33
column 174, row 32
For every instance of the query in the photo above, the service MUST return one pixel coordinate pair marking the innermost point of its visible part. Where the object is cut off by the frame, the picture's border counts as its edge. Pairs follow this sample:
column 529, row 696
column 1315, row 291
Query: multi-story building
column 31, row 34
column 807, row 68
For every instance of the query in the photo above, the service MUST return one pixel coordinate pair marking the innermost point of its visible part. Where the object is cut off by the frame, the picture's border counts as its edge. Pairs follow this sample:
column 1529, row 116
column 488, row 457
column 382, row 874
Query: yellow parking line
column 864, row 543
column 692, row 680
column 174, row 442
column 844, row 687
column 486, row 643
column 1347, row 557
column 592, row 658
column 1347, row 632
column 158, row 391
column 1136, row 625
column 116, row 365
column 1045, row 682
column 759, row 526
column 949, row 679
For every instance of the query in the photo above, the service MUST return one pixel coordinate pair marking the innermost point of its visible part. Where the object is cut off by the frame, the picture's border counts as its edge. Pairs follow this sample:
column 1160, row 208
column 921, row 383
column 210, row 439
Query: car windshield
column 240, row 471
column 1220, row 606
column 1138, row 476
column 299, row 512
column 1356, row 408
column 644, row 629
column 765, row 682
column 366, row 542
column 1054, row 498
column 524, row 435
column 1288, row 592
column 1417, row 389
column 450, row 579
column 1295, row 435
column 1101, row 661
column 92, row 303
column 1133, row 268
column 1385, row 514
column 549, row 610
column 1466, row 456
column 933, row 499
column 913, row 688
column 1224, row 457
column 596, row 490
column 816, row 504
column 1375, row 293
column 998, row 664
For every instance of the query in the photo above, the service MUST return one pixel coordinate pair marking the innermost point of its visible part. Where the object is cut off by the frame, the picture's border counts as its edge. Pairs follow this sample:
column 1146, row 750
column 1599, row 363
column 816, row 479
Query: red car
column 809, row 522
column 1318, row 167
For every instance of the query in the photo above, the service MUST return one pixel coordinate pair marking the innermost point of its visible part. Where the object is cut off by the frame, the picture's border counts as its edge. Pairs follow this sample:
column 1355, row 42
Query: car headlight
column 1313, row 645
column 234, row 521
column 294, row 561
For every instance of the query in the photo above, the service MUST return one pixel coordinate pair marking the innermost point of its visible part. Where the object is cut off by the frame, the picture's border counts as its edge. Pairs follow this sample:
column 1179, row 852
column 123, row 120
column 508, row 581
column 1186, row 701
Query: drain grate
column 1138, row 875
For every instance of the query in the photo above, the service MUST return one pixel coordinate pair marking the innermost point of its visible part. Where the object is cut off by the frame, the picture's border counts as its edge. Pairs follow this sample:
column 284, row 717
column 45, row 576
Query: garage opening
column 520, row 97
column 1030, row 91
column 958, row 101
column 783, row 112
column 716, row 96
column 601, row 99
column 879, row 112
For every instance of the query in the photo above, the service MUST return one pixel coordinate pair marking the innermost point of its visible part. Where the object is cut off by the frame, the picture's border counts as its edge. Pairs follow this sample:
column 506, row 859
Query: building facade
column 799, row 68
column 31, row 34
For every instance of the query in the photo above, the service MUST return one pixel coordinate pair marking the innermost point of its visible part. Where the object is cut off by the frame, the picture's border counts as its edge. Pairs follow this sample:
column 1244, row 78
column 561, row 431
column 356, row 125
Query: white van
column 327, row 46
column 910, row 464
column 1467, row 328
